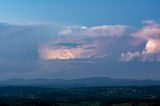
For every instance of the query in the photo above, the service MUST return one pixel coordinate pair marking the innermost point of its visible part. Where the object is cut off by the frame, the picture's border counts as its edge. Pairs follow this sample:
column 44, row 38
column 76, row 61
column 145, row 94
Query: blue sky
column 80, row 38
column 90, row 12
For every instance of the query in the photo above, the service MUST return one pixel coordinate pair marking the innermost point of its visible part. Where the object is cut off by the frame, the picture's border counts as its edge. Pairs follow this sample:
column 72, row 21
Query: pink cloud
column 49, row 53
column 151, row 31
column 92, row 42
column 151, row 52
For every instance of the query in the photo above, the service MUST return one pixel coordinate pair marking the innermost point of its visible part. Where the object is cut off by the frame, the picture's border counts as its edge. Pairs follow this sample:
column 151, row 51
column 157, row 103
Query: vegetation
column 89, row 96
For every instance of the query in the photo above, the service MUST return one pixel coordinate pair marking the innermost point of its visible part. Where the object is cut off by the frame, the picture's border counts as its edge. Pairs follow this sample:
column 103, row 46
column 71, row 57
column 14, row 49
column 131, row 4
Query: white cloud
column 129, row 56
column 65, row 32
column 151, row 34
column 96, row 31
column 81, row 42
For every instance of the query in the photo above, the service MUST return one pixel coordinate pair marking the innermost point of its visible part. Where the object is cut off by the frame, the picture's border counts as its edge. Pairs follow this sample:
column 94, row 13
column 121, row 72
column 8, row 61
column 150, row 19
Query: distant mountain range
column 83, row 82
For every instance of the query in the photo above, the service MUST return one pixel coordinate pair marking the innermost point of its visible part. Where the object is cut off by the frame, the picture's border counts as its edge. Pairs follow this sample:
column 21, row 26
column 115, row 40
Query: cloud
column 64, row 52
column 129, row 56
column 19, row 42
column 96, row 31
column 150, row 31
column 92, row 42
column 151, row 35
column 49, row 51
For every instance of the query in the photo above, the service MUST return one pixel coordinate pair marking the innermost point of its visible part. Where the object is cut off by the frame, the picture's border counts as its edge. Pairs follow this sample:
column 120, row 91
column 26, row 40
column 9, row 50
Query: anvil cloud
column 40, row 49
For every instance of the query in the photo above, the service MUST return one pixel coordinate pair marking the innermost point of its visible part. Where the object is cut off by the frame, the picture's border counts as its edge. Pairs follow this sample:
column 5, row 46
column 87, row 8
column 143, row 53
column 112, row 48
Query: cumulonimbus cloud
column 81, row 42
column 151, row 35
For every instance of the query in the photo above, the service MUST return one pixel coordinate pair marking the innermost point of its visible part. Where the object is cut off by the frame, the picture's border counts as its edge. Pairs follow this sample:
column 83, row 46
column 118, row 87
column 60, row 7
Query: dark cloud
column 66, row 44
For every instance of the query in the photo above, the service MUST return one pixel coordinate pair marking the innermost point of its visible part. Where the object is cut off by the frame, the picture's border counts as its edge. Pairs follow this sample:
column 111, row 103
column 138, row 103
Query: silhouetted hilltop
column 83, row 82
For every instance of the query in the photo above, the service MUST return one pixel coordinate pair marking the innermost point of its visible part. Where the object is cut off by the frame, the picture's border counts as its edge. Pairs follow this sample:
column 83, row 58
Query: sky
column 80, row 38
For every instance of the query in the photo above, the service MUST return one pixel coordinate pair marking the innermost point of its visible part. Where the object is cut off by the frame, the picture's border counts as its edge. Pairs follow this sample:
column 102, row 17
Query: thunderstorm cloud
column 92, row 42
column 42, row 50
